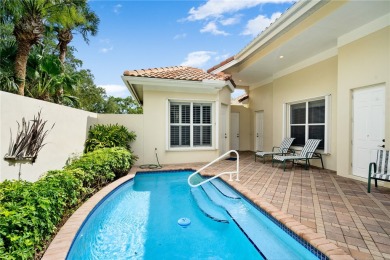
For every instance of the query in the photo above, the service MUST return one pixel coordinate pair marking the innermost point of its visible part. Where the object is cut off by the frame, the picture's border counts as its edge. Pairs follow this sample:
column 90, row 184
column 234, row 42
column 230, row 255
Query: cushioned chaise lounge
column 379, row 170
column 307, row 153
column 282, row 149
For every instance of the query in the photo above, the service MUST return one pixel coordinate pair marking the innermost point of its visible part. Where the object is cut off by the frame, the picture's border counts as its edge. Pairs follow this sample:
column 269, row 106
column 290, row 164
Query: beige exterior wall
column 261, row 99
column 313, row 81
column 244, row 127
column 156, row 126
column 65, row 139
column 132, row 123
column 362, row 63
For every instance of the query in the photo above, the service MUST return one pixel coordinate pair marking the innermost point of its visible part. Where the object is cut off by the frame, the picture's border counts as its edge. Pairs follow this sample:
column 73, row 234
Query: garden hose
column 152, row 166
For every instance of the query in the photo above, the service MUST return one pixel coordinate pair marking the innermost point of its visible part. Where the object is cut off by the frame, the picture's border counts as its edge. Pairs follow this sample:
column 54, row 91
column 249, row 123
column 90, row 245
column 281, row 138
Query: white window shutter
column 284, row 123
column 328, row 123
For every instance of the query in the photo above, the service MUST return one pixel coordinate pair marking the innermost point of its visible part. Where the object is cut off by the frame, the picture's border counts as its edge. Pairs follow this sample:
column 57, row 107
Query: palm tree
column 82, row 20
column 28, row 17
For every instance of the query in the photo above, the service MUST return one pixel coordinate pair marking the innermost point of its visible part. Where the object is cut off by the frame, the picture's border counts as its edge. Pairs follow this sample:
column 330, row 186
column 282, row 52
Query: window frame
column 212, row 125
column 327, row 124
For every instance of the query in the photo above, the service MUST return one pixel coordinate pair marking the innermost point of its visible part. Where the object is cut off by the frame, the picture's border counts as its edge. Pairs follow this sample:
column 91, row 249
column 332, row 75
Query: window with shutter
column 190, row 124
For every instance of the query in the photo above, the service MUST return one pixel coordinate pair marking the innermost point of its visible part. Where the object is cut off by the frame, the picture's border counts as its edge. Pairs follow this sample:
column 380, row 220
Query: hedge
column 31, row 212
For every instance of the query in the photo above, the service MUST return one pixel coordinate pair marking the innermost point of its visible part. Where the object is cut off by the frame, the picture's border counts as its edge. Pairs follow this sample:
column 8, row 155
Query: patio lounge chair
column 379, row 170
column 307, row 153
column 281, row 150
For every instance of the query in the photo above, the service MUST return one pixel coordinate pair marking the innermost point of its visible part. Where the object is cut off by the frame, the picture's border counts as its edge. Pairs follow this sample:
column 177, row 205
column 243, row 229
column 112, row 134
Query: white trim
column 226, row 66
column 168, row 128
column 328, row 123
column 284, row 122
column 174, row 82
column 132, row 91
column 365, row 30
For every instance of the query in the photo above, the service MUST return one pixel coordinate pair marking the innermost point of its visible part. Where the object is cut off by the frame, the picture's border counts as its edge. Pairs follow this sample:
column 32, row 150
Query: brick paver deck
column 336, row 208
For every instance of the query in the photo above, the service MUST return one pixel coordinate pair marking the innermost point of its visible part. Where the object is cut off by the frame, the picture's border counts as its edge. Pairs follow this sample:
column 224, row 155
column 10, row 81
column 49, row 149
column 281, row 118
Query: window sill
column 190, row 149
column 299, row 148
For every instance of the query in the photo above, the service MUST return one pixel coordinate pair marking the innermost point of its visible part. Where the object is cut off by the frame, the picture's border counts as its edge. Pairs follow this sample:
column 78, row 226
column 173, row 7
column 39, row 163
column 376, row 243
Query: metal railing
column 222, row 173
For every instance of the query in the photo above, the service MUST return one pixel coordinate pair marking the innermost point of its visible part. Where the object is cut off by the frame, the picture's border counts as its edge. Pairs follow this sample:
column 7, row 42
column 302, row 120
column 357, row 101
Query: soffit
column 318, row 38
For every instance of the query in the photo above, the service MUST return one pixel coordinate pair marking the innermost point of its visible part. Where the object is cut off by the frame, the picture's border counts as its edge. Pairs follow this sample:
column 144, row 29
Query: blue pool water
column 139, row 220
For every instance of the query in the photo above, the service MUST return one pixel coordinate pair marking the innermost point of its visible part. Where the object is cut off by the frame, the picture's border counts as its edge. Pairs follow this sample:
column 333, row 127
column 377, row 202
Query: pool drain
column 184, row 222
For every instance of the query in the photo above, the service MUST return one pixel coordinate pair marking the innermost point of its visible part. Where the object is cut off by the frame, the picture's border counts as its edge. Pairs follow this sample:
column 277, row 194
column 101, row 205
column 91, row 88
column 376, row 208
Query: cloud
column 222, row 57
column 116, row 90
column 180, row 36
column 216, row 8
column 231, row 21
column 117, row 8
column 198, row 58
column 212, row 28
column 105, row 41
column 105, row 50
column 258, row 24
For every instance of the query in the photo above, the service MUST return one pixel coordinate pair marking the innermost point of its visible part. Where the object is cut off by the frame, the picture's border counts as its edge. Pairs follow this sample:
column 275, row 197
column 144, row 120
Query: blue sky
column 149, row 34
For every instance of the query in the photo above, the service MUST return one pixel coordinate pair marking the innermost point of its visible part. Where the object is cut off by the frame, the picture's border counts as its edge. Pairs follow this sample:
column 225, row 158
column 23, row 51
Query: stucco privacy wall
column 362, row 63
column 66, row 138
column 155, row 128
column 132, row 123
column 314, row 81
column 244, row 127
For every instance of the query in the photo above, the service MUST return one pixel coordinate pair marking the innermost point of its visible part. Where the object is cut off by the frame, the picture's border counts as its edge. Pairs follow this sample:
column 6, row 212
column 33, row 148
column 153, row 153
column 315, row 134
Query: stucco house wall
column 156, row 127
column 133, row 122
column 317, row 80
column 361, row 63
column 245, row 126
column 261, row 99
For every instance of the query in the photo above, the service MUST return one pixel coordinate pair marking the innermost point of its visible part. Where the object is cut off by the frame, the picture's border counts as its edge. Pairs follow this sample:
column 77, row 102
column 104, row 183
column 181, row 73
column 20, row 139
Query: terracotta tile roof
column 221, row 64
column 178, row 73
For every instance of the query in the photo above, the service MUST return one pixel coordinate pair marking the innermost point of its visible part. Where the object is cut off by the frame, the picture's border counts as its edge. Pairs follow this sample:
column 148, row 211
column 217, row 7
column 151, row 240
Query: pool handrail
column 237, row 172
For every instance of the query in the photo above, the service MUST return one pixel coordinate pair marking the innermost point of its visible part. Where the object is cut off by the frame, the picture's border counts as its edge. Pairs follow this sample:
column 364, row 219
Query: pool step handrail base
column 237, row 171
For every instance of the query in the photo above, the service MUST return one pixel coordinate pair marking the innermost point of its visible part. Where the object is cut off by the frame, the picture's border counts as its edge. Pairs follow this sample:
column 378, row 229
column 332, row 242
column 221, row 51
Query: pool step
column 208, row 207
column 226, row 191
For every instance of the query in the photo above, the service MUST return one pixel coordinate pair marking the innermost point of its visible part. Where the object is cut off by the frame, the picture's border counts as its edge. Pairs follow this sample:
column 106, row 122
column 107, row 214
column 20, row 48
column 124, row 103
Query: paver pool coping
column 59, row 247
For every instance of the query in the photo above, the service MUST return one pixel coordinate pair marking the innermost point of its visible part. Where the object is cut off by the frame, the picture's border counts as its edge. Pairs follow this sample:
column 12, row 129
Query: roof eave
column 294, row 14
column 130, row 87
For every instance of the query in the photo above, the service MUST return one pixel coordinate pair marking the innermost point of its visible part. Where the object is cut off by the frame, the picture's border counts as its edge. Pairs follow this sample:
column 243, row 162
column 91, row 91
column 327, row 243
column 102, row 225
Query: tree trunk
column 64, row 36
column 22, row 53
column 63, row 49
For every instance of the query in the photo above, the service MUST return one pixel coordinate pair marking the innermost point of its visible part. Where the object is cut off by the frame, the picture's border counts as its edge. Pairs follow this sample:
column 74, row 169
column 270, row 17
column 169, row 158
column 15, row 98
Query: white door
column 368, row 127
column 222, row 133
column 235, row 131
column 259, row 131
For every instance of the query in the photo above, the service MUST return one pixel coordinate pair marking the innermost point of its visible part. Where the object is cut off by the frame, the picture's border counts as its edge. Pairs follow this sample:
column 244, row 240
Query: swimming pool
column 139, row 220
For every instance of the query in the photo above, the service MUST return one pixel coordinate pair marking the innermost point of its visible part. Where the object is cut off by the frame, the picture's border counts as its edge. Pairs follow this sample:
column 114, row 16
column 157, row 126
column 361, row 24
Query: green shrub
column 105, row 136
column 31, row 212
column 103, row 165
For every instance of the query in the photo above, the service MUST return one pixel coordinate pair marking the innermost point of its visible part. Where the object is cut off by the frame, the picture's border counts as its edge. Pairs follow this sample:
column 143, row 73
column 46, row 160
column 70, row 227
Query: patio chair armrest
column 273, row 148
column 372, row 165
column 288, row 151
column 312, row 153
